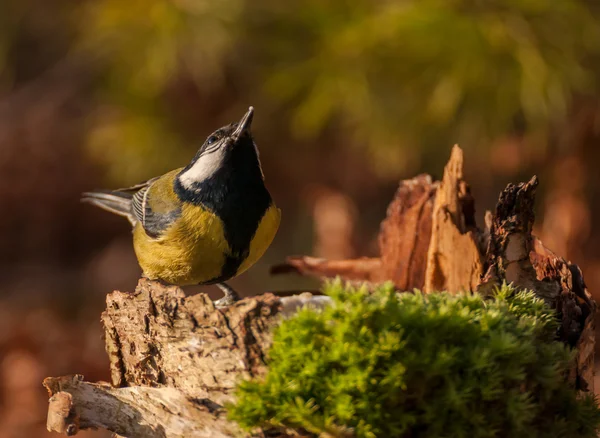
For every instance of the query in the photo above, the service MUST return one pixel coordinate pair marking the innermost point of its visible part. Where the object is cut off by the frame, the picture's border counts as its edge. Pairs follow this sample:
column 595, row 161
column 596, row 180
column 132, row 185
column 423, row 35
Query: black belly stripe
column 240, row 201
column 230, row 267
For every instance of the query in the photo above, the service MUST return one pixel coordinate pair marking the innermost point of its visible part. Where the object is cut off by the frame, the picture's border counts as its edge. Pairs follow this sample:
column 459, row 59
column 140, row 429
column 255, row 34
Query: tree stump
column 175, row 360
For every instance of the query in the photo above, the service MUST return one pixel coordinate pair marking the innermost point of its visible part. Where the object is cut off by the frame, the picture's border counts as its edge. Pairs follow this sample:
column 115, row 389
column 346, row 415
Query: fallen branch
column 133, row 412
column 362, row 269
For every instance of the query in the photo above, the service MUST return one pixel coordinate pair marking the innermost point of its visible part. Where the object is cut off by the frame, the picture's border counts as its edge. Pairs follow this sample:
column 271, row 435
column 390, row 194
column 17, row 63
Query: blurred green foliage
column 398, row 74
column 436, row 365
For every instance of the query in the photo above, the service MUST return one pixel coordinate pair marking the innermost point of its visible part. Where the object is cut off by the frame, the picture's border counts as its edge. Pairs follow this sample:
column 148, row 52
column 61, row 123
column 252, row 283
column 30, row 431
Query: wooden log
column 462, row 257
column 133, row 412
column 174, row 363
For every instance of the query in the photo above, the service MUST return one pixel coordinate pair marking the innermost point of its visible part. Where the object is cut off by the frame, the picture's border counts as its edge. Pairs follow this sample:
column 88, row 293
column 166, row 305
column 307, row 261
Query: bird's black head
column 229, row 151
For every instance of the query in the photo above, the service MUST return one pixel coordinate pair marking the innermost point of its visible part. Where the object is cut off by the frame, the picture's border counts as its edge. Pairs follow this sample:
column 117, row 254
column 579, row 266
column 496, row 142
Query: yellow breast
column 194, row 249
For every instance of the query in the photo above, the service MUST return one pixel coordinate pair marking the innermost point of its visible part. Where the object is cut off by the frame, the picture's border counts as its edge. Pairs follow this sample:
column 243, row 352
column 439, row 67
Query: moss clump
column 414, row 365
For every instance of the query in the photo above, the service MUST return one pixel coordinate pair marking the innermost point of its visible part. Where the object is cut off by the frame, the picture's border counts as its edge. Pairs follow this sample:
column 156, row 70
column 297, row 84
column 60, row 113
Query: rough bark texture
column 511, row 242
column 404, row 240
column 406, row 232
column 454, row 258
column 157, row 336
column 133, row 412
column 438, row 220
column 175, row 360
column 514, row 255
column 427, row 241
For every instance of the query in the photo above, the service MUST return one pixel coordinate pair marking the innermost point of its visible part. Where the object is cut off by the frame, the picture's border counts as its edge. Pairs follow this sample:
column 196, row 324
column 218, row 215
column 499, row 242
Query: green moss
column 389, row 365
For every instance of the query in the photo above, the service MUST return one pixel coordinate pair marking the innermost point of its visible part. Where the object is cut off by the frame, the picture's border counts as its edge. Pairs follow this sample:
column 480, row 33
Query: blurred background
column 350, row 97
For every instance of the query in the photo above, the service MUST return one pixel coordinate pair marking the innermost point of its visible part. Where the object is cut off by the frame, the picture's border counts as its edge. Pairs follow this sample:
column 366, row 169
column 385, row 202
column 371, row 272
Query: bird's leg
column 231, row 296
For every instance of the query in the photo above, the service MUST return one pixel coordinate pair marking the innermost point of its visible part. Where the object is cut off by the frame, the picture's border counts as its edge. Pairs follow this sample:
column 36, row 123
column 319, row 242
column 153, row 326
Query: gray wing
column 154, row 223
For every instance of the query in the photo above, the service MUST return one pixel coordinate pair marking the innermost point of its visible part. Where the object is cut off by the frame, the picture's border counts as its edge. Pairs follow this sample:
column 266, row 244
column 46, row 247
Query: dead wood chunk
column 405, row 233
column 510, row 242
column 362, row 269
column 572, row 302
column 62, row 418
column 583, row 371
column 158, row 336
column 575, row 308
column 134, row 412
column 454, row 259
column 517, row 257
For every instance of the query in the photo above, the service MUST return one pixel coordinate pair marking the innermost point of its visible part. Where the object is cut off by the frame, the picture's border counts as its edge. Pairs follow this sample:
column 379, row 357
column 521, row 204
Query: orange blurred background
column 350, row 97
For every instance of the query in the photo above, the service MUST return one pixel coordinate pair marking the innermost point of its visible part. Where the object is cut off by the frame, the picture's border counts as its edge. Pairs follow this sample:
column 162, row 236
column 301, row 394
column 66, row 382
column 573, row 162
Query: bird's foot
column 231, row 296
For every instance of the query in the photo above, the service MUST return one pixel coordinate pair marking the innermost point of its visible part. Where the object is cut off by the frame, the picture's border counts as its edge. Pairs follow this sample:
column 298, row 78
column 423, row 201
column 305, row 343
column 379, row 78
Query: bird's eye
column 211, row 139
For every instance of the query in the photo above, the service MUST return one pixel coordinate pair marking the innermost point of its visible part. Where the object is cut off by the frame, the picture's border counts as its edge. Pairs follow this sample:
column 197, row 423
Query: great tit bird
column 204, row 223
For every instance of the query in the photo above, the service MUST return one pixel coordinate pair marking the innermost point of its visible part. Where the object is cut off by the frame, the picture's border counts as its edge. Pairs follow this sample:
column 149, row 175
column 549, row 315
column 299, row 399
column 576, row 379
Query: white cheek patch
column 204, row 167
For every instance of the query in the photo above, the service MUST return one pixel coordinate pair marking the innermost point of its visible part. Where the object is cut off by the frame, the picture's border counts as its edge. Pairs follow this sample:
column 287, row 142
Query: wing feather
column 153, row 222
column 133, row 203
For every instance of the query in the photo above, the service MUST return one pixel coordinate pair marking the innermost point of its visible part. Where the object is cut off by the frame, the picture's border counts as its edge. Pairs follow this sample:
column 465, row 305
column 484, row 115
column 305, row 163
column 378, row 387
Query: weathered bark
column 515, row 256
column 405, row 233
column 454, row 261
column 158, row 336
column 174, row 363
column 175, row 360
column 403, row 242
column 511, row 242
column 133, row 412
column 428, row 240
column 437, row 219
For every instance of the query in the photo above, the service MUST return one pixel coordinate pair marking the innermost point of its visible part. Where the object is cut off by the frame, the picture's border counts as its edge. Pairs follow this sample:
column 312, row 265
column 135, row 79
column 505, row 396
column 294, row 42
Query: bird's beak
column 243, row 125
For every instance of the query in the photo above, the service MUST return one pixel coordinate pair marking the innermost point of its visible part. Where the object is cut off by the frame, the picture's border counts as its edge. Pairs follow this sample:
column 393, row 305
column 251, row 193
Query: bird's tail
column 114, row 201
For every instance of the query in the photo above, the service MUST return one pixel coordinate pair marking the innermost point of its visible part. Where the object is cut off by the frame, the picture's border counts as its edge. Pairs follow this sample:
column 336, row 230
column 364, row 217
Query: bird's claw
column 230, row 296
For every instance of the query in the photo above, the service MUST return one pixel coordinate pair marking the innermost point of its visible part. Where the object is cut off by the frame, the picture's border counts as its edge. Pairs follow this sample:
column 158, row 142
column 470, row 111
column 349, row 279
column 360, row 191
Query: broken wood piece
column 62, row 418
column 362, row 269
column 158, row 336
column 405, row 233
column 511, row 242
column 428, row 239
column 133, row 412
column 403, row 243
column 515, row 256
column 454, row 259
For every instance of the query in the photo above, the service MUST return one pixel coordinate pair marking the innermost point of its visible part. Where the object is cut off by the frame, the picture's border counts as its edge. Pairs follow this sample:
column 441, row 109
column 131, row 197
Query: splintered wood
column 175, row 360
column 454, row 261
column 430, row 241
column 405, row 233
column 511, row 242
column 427, row 241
